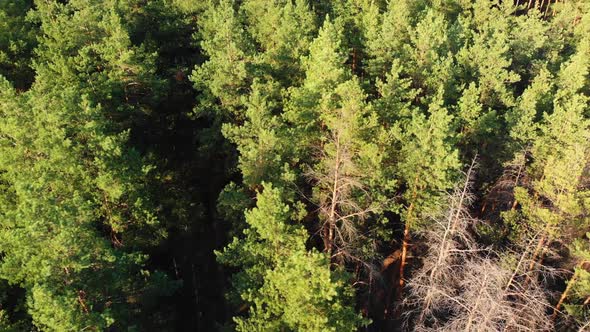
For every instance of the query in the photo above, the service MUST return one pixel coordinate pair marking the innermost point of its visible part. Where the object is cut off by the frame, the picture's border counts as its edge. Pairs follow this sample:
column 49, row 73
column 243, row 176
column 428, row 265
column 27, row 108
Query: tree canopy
column 294, row 165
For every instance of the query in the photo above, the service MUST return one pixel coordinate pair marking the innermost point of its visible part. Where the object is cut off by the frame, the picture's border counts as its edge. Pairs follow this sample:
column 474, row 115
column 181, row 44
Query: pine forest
column 294, row 165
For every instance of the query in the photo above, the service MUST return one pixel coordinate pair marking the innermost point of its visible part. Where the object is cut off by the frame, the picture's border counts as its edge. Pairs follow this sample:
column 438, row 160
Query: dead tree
column 464, row 287
column 342, row 198
column 434, row 286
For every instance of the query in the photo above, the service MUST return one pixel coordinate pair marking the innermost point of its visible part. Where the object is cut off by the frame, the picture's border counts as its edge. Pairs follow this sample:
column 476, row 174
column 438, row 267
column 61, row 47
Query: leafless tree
column 434, row 284
column 493, row 301
column 464, row 287
column 344, row 199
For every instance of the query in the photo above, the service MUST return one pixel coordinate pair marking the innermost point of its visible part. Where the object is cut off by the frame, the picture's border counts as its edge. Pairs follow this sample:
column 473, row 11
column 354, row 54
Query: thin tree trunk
column 330, row 237
column 196, row 293
column 520, row 262
column 405, row 244
column 553, row 13
column 564, row 295
column 450, row 229
column 536, row 255
column 583, row 328
column 332, row 214
column 406, row 239
column 515, row 203
column 175, row 268
column 474, row 309
column 540, row 245
column 538, row 250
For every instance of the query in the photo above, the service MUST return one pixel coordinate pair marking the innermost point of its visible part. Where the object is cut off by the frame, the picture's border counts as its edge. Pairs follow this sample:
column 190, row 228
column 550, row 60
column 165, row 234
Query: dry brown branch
column 343, row 199
column 434, row 286
column 463, row 287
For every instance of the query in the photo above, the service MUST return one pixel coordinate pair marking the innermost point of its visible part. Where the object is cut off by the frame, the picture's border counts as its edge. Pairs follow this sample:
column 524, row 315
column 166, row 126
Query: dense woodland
column 294, row 165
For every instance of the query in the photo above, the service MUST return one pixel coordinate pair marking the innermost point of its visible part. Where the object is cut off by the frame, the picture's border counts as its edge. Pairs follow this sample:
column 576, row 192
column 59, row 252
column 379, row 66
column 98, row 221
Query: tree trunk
column 514, row 204
column 564, row 295
column 474, row 309
column 331, row 222
column 553, row 12
column 537, row 255
column 406, row 239
column 405, row 244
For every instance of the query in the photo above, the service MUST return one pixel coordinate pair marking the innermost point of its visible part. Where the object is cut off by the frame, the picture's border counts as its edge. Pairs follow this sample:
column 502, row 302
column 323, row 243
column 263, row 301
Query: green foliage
column 114, row 164
column 580, row 281
column 17, row 40
column 487, row 55
column 560, row 152
column 285, row 286
column 79, row 209
column 226, row 75
column 324, row 72
column 264, row 149
column 283, row 31
column 392, row 34
column 428, row 162
column 534, row 101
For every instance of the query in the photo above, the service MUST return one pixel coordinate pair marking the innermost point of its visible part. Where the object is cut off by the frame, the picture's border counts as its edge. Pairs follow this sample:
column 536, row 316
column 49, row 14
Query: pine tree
column 284, row 30
column 574, row 298
column 285, row 286
column 261, row 139
column 227, row 74
column 342, row 146
column 427, row 166
column 81, row 211
column 360, row 22
column 431, row 64
column 449, row 243
column 264, row 147
column 387, row 44
column 17, row 41
column 324, row 72
column 554, row 199
column 463, row 286
column 486, row 57
column 523, row 119
column 351, row 184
